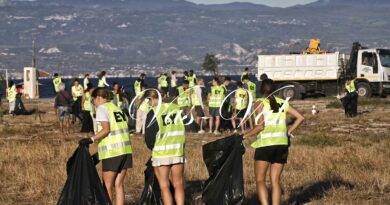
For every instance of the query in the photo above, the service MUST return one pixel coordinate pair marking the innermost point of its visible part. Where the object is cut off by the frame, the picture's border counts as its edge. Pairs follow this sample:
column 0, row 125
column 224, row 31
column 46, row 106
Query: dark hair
column 142, row 75
column 102, row 92
column 86, row 75
column 90, row 86
column 186, row 82
column 11, row 83
column 103, row 73
column 115, row 83
column 245, row 77
column 263, row 76
column 185, row 73
column 75, row 80
column 268, row 87
column 216, row 79
column 246, row 69
column 55, row 74
column 173, row 72
column 239, row 84
column 227, row 78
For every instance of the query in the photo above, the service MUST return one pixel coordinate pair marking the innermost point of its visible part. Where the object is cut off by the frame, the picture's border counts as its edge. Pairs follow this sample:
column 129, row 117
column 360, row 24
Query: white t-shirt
column 102, row 115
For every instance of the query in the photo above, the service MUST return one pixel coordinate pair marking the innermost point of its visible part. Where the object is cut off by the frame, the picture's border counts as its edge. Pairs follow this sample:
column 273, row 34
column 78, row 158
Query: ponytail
column 274, row 105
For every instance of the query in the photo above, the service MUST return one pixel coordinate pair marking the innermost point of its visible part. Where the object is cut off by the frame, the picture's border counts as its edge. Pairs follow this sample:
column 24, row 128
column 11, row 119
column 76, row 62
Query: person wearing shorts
column 114, row 144
column 165, row 137
column 62, row 104
column 272, row 140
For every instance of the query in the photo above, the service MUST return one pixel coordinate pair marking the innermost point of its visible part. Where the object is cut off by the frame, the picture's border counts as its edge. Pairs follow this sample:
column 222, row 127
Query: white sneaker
column 216, row 132
column 201, row 132
column 210, row 132
column 235, row 131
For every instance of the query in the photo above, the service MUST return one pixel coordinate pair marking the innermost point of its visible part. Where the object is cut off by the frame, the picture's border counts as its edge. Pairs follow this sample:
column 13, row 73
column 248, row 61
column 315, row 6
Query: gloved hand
column 85, row 141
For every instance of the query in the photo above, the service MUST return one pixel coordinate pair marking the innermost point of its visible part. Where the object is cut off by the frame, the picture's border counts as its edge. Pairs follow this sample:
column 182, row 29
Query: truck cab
column 373, row 72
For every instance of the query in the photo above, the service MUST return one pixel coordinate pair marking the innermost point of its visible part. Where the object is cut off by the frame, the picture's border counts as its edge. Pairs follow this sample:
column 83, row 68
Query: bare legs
column 115, row 180
column 261, row 168
column 162, row 174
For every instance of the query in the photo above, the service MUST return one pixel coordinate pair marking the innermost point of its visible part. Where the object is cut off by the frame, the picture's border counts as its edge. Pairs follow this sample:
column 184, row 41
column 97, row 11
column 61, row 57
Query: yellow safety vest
column 118, row 99
column 183, row 99
column 118, row 142
column 216, row 96
column 243, row 74
column 170, row 138
column 241, row 99
column 173, row 82
column 56, row 82
column 191, row 80
column 194, row 97
column 137, row 87
column 101, row 84
column 11, row 93
column 77, row 91
column 351, row 87
column 275, row 129
column 163, row 81
column 88, row 102
column 252, row 89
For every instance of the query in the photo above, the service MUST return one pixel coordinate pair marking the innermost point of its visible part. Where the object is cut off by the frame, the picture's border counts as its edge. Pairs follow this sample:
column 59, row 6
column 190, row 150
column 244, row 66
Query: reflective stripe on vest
column 351, row 87
column 275, row 129
column 216, row 96
column 183, row 99
column 88, row 102
column 252, row 89
column 163, row 81
column 241, row 99
column 170, row 138
column 56, row 83
column 118, row 142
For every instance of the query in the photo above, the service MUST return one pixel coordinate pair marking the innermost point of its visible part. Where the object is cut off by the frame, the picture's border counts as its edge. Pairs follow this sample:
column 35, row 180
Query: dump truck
column 326, row 73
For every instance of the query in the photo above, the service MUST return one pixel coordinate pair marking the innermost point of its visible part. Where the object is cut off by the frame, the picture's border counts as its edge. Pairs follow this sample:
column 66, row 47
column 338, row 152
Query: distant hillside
column 77, row 36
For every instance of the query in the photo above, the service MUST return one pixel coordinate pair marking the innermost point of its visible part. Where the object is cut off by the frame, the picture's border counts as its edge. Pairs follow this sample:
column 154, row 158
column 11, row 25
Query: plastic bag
column 151, row 194
column 83, row 185
column 223, row 159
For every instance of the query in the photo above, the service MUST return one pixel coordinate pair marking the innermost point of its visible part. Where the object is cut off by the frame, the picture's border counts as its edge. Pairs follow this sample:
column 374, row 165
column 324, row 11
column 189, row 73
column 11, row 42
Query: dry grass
column 333, row 160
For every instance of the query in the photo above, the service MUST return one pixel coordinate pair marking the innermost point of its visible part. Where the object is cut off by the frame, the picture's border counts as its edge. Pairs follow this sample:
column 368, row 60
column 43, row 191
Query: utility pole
column 33, row 54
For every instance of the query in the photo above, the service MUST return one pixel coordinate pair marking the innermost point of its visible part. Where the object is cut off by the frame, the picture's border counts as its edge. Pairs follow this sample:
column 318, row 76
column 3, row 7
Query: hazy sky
column 280, row 3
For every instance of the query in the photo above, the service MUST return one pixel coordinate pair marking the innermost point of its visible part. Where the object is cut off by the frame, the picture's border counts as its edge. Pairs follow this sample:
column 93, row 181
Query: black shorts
column 214, row 112
column 117, row 164
column 199, row 111
column 240, row 113
column 273, row 154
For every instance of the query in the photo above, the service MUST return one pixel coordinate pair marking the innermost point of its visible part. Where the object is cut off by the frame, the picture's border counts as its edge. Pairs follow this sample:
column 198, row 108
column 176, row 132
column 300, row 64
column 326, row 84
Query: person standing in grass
column 272, row 142
column 165, row 136
column 56, row 82
column 11, row 97
column 114, row 144
column 87, row 107
column 216, row 96
column 86, row 81
column 62, row 105
column 241, row 105
column 77, row 94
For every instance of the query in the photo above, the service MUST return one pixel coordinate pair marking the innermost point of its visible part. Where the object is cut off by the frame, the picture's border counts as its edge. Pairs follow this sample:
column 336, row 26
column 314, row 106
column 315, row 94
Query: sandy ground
column 333, row 159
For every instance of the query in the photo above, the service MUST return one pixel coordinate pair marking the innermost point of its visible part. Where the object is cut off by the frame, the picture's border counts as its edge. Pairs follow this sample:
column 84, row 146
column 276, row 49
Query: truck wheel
column 291, row 92
column 364, row 90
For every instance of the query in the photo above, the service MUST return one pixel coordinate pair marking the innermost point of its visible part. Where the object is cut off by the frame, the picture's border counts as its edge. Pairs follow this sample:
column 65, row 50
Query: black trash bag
column 223, row 159
column 83, row 186
column 151, row 195
column 19, row 106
